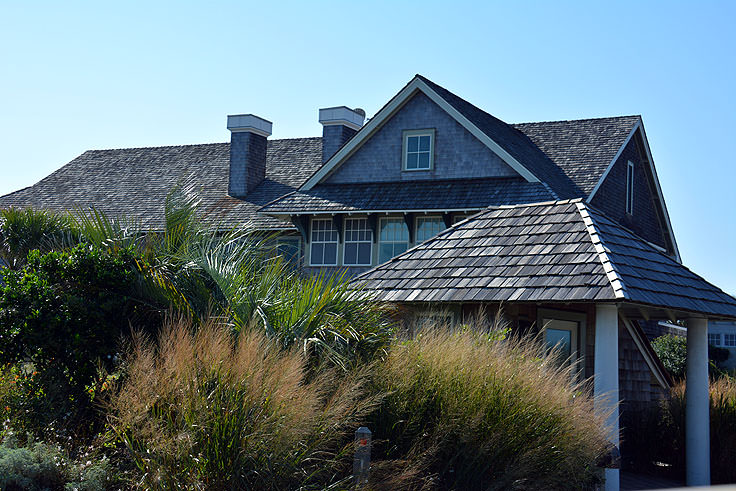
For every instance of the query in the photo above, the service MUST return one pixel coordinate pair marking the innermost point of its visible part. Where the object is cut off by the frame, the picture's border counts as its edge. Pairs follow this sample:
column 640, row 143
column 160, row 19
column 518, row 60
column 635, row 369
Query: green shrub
column 672, row 351
column 64, row 314
column 465, row 410
column 24, row 230
column 206, row 409
column 40, row 466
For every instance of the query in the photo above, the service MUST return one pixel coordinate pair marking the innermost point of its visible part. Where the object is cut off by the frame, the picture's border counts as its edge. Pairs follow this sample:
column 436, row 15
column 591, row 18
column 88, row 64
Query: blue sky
column 82, row 75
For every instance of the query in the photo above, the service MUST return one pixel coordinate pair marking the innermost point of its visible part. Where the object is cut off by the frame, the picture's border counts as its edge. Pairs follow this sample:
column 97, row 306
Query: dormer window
column 418, row 150
column 630, row 188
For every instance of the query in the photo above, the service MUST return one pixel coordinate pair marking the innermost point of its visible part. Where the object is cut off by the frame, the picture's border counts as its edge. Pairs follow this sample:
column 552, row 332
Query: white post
column 605, row 385
column 697, row 409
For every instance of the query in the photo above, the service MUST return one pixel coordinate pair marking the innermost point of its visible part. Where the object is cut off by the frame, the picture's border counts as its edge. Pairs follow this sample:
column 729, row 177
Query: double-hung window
column 630, row 188
column 729, row 340
column 418, row 150
column 428, row 227
column 358, row 241
column 394, row 238
column 714, row 339
column 324, row 243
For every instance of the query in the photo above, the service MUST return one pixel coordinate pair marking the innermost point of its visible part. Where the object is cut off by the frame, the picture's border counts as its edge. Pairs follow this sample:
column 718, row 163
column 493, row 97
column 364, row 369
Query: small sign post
column 362, row 460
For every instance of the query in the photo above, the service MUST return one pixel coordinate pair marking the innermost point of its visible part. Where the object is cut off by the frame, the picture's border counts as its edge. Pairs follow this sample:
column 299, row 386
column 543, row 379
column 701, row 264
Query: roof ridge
column 617, row 283
column 536, row 203
column 155, row 147
column 600, row 118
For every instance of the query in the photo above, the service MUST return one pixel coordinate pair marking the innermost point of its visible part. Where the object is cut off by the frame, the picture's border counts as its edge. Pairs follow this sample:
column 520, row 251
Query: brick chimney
column 339, row 124
column 247, row 152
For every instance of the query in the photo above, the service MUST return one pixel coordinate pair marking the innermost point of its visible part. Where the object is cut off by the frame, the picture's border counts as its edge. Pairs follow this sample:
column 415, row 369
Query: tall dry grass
column 722, row 429
column 203, row 409
column 467, row 410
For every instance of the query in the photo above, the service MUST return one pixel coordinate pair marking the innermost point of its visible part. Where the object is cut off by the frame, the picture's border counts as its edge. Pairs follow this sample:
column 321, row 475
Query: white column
column 605, row 385
column 697, row 409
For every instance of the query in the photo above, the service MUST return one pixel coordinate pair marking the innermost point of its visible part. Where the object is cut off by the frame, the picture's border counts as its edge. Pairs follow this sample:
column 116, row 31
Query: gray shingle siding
column 457, row 153
column 611, row 197
column 333, row 137
column 247, row 163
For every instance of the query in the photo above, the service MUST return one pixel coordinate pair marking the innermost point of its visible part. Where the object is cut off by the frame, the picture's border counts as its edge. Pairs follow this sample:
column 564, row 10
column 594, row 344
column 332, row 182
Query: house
column 437, row 205
column 722, row 334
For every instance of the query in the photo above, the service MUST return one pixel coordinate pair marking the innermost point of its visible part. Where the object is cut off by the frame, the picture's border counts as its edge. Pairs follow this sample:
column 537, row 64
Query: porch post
column 605, row 384
column 697, row 400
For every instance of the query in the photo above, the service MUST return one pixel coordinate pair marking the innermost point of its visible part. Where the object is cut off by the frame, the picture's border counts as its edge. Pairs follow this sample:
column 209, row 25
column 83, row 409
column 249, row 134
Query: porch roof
column 562, row 251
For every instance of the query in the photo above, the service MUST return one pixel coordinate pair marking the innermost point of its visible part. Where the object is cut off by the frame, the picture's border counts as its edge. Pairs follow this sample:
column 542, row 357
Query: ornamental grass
column 471, row 410
column 207, row 409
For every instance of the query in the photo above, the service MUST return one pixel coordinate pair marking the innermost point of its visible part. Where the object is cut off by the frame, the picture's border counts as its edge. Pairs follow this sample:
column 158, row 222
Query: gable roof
column 561, row 251
column 419, row 83
column 582, row 148
column 441, row 195
column 134, row 182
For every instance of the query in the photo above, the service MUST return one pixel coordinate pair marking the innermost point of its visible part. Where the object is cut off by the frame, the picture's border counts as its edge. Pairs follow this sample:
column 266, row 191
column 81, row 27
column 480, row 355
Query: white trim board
column 393, row 106
column 639, row 126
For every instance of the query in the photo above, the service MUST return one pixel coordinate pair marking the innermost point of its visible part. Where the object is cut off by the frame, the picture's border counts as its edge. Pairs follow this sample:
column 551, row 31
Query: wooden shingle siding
column 457, row 153
column 611, row 197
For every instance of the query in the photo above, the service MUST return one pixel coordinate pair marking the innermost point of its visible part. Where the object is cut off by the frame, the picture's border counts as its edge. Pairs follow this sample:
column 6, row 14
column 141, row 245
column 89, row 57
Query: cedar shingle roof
column 454, row 194
column 582, row 148
column 568, row 156
column 134, row 181
column 563, row 251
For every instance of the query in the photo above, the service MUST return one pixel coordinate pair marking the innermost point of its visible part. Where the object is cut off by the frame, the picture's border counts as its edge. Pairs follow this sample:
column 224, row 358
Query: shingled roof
column 582, row 148
column 451, row 194
column 561, row 251
column 134, row 181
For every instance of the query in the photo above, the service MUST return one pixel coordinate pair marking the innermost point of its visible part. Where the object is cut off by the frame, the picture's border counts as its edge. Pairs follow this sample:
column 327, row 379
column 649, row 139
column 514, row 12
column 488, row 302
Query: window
column 630, row 188
column 358, row 241
column 394, row 238
column 324, row 243
column 459, row 218
column 289, row 248
column 714, row 339
column 428, row 227
column 564, row 331
column 418, row 150
column 729, row 340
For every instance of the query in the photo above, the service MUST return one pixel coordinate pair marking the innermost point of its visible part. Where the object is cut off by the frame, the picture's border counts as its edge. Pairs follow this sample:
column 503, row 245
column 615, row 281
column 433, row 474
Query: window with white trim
column 714, row 339
column 394, row 238
column 418, row 150
column 729, row 340
column 428, row 227
column 324, row 243
column 358, row 242
column 630, row 188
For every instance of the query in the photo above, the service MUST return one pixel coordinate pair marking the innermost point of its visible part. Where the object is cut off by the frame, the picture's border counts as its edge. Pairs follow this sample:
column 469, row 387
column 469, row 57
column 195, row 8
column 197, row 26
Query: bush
column 207, row 409
column 63, row 314
column 39, row 466
column 672, row 351
column 464, row 410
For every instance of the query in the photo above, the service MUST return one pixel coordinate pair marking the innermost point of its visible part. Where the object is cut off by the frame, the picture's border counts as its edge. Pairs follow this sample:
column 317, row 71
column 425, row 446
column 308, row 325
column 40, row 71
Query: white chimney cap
column 249, row 123
column 352, row 118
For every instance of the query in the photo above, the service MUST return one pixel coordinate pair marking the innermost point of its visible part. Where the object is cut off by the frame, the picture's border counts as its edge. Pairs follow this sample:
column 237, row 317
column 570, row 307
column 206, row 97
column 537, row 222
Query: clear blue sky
column 80, row 75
